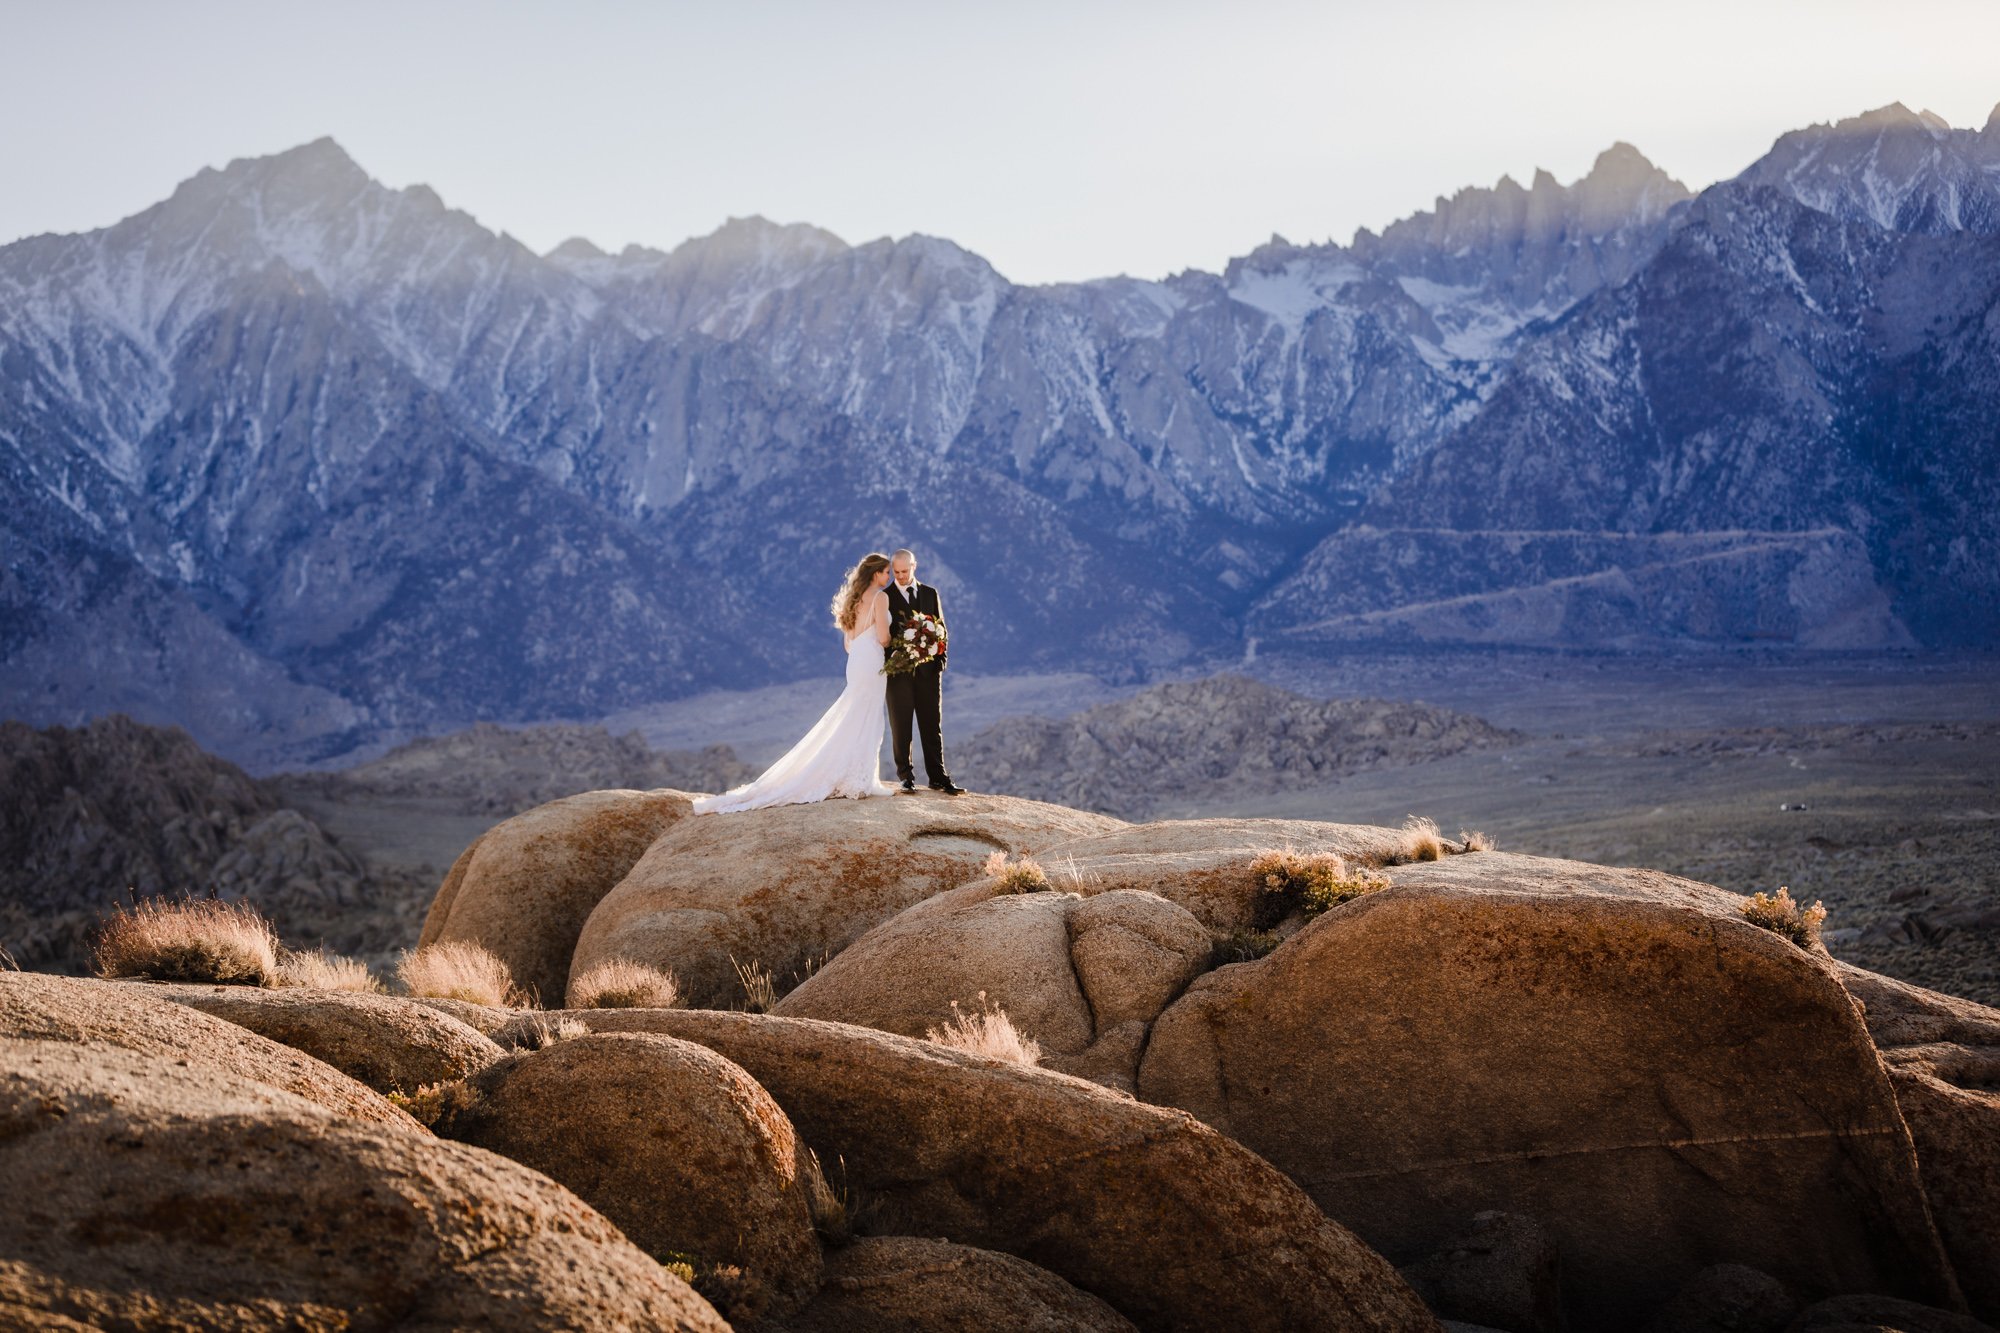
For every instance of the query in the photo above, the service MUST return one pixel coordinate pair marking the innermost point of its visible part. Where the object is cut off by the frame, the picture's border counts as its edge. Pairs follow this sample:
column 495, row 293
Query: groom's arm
column 937, row 603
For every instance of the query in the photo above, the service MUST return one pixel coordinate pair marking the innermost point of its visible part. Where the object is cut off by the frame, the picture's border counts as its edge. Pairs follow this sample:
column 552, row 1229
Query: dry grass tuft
column 621, row 984
column 189, row 939
column 1782, row 916
column 458, row 970
column 1312, row 883
column 837, row 1214
column 1474, row 842
column 760, row 989
column 320, row 970
column 1023, row 876
column 7, row 963
column 434, row 1104
column 989, row 1032
column 538, row 1032
column 1420, row 840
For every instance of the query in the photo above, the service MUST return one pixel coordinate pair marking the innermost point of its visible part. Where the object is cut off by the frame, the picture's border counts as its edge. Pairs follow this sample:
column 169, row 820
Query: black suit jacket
column 926, row 600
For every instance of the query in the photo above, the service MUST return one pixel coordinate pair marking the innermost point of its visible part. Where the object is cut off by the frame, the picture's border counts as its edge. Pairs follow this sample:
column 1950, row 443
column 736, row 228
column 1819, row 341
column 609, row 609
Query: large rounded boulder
column 389, row 1043
column 1617, row 1054
column 906, row 1284
column 1082, row 976
column 669, row 1140
column 524, row 888
column 1203, row 865
column 147, row 1192
column 779, row 887
column 34, row 1007
column 1173, row 1225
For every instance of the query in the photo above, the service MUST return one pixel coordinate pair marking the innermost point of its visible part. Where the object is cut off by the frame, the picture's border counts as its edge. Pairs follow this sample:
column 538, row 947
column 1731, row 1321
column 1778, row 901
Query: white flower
column 909, row 634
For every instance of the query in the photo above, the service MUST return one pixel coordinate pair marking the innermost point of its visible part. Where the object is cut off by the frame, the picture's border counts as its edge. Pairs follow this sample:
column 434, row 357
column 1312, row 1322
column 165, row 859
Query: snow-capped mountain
column 292, row 457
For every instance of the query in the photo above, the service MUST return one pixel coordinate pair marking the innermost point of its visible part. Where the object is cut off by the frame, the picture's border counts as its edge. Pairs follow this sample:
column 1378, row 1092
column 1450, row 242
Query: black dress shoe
column 909, row 787
column 948, row 787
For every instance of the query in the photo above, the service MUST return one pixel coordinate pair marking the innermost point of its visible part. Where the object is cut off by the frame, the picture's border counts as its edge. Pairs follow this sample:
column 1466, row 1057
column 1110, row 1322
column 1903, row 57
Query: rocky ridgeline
column 488, row 769
column 117, row 810
column 1187, row 742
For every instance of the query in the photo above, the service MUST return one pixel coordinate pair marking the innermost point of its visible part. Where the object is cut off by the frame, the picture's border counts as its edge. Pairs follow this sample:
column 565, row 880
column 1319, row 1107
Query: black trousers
column 918, row 694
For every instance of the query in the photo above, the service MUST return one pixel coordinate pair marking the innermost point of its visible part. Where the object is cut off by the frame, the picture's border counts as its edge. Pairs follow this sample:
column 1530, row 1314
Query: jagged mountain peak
column 1892, row 167
column 577, row 247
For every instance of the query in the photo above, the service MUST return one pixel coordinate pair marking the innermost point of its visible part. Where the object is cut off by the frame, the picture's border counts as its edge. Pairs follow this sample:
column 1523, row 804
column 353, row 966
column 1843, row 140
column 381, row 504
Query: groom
column 916, row 692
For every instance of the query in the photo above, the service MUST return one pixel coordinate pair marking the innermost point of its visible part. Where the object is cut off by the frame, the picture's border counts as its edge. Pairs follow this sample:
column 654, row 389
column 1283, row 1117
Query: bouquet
column 918, row 641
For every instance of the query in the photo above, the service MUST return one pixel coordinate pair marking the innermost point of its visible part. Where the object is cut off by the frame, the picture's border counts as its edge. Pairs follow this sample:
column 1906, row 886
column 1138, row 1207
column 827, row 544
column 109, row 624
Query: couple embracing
column 890, row 623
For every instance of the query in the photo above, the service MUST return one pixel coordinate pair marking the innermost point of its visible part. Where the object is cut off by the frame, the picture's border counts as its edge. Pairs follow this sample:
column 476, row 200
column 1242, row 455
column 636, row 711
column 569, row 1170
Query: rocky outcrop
column 34, row 1007
column 1173, row 1225
column 670, row 1141
column 905, row 1284
column 389, row 1043
column 1083, row 976
column 1176, row 744
column 148, row 1191
column 781, row 886
column 524, row 889
column 1614, row 1053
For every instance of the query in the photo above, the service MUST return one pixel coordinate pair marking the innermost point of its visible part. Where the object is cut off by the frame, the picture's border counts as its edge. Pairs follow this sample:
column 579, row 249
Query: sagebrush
column 1783, row 916
column 188, row 939
column 1312, row 882
column 1024, row 875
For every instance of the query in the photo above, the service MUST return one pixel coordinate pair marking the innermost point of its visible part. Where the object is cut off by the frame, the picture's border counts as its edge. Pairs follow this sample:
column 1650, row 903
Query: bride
column 841, row 755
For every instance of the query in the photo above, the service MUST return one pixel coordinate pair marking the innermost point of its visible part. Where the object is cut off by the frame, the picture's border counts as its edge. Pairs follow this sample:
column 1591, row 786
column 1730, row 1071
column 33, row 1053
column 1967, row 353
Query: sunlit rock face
column 374, row 465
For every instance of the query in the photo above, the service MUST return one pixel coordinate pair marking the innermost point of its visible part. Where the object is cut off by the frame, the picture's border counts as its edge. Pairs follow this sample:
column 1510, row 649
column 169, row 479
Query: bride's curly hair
column 847, row 601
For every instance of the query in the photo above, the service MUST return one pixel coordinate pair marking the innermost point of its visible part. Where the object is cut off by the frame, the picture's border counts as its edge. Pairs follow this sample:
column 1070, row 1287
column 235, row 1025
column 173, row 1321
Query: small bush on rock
column 1474, row 842
column 434, row 1104
column 191, row 939
column 1782, row 916
column 320, row 970
column 458, row 970
column 1022, row 876
column 1243, row 945
column 620, row 984
column 989, row 1032
column 1420, row 840
column 1311, row 884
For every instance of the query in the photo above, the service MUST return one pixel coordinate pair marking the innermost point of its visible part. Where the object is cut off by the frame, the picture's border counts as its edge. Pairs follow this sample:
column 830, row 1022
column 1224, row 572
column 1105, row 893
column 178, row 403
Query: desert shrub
column 1782, row 916
column 188, row 939
column 621, row 984
column 682, row 1268
column 1474, row 842
column 538, row 1032
column 7, row 963
column 736, row 1296
column 760, row 989
column 320, row 970
column 988, row 1032
column 434, row 1104
column 1244, row 945
column 458, row 970
column 837, row 1214
column 1311, row 883
column 1022, row 876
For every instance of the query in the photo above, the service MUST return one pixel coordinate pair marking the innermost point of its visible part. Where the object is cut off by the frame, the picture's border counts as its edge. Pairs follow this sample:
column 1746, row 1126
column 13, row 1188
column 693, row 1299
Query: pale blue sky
column 1061, row 140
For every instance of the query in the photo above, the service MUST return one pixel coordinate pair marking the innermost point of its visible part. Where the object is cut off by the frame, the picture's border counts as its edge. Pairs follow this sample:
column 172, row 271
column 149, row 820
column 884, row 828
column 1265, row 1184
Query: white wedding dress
column 840, row 756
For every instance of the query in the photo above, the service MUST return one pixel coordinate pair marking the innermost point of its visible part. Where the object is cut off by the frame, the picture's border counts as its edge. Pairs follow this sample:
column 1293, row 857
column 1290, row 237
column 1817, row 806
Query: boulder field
column 1554, row 1095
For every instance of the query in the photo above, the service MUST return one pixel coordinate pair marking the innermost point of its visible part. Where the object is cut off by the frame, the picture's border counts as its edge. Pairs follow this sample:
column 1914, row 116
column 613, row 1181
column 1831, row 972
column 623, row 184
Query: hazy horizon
column 1060, row 143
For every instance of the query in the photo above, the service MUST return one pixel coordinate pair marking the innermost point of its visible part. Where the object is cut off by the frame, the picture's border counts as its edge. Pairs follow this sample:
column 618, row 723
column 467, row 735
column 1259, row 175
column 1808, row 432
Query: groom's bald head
column 903, row 565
